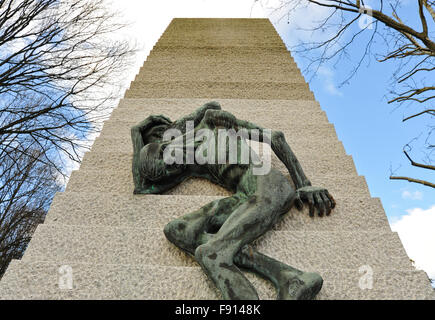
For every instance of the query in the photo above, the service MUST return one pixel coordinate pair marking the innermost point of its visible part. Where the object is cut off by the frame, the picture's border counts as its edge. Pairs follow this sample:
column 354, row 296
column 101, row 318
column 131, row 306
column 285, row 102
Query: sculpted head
column 152, row 166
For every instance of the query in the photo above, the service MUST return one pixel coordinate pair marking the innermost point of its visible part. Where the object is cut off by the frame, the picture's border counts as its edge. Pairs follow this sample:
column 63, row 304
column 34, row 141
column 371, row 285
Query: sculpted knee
column 174, row 230
column 278, row 135
column 284, row 194
column 289, row 195
column 205, row 252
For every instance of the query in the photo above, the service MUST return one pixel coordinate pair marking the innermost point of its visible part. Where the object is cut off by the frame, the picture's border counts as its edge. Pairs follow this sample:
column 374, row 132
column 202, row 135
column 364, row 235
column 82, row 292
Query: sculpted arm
column 278, row 143
column 195, row 116
column 316, row 197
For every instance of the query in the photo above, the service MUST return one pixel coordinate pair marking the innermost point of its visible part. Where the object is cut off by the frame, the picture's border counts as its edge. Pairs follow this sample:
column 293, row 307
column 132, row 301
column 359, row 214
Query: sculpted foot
column 303, row 286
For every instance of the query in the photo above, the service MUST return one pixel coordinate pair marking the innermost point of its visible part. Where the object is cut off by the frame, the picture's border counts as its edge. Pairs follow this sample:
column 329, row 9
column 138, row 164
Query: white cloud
column 327, row 76
column 416, row 195
column 417, row 232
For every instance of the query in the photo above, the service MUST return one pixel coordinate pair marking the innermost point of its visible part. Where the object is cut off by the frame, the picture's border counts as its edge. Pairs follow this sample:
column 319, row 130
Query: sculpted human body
column 219, row 234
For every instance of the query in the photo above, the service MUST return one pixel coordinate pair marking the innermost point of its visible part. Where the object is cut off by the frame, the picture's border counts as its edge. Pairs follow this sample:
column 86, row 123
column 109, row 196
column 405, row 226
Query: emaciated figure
column 219, row 234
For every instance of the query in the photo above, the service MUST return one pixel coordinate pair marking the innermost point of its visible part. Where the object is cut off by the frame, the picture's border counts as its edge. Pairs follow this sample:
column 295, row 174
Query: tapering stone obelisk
column 100, row 241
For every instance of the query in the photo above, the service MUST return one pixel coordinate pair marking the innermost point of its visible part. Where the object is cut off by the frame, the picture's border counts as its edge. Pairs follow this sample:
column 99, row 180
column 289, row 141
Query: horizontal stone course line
column 161, row 52
column 155, row 211
column 123, row 184
column 221, row 30
column 293, row 118
column 254, row 33
column 301, row 151
column 217, row 30
column 227, row 32
column 220, row 85
column 238, row 107
column 98, row 281
column 216, row 23
column 229, row 73
column 292, row 134
column 312, row 164
column 115, row 159
column 252, row 36
column 212, row 31
column 225, row 102
column 202, row 45
column 219, row 55
column 266, row 113
column 295, row 135
column 180, row 22
column 303, row 250
column 235, row 90
column 117, row 176
column 221, row 42
column 114, row 144
column 221, row 66
column 221, row 37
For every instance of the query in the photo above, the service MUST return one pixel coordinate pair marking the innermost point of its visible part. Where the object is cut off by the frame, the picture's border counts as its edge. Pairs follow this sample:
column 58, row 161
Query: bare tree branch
column 388, row 37
column 430, row 111
column 59, row 74
column 426, row 183
column 416, row 164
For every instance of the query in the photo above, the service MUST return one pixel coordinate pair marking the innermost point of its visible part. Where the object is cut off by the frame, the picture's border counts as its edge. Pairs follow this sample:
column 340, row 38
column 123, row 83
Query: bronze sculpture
column 219, row 234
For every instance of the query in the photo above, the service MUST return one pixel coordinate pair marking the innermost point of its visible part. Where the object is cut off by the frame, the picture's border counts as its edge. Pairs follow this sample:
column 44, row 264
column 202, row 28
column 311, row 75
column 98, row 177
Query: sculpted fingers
column 299, row 203
column 319, row 204
column 310, row 199
column 318, row 199
column 327, row 202
column 331, row 198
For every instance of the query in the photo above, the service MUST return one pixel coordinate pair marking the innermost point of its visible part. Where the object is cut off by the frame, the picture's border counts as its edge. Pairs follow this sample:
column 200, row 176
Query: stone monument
column 101, row 241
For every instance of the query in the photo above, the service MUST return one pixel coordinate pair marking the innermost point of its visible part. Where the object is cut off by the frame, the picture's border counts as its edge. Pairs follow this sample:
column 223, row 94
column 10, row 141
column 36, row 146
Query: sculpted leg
column 199, row 227
column 216, row 256
column 194, row 229
column 290, row 283
column 250, row 220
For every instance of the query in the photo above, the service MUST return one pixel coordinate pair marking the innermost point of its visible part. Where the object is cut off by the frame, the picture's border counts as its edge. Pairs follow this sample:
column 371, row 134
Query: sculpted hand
column 317, row 198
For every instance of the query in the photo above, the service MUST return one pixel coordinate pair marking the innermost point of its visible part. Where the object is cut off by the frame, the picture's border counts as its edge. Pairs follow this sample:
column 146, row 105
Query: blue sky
column 371, row 130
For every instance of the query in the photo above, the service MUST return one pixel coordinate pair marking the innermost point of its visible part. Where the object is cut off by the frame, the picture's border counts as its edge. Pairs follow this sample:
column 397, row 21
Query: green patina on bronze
column 219, row 235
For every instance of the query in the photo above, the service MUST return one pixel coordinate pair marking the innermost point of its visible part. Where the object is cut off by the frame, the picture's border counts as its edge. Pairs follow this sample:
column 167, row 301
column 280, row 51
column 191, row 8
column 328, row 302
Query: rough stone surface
column 112, row 209
column 315, row 164
column 219, row 54
column 117, row 144
column 119, row 183
column 39, row 280
column 294, row 111
column 304, row 145
column 113, row 240
column 220, row 72
column 67, row 244
column 123, row 129
column 215, row 90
